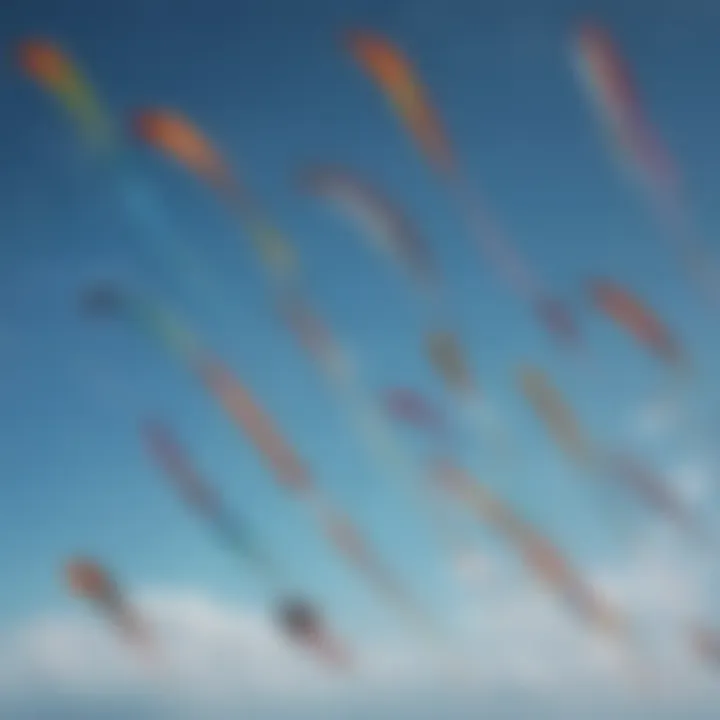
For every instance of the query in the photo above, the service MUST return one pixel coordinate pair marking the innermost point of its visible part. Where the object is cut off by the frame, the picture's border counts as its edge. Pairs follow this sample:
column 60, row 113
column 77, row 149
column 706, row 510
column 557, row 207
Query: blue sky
column 269, row 83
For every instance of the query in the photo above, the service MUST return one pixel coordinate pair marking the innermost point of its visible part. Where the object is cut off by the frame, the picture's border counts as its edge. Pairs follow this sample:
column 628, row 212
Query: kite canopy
column 44, row 61
column 629, row 313
column 176, row 136
column 54, row 70
column 388, row 66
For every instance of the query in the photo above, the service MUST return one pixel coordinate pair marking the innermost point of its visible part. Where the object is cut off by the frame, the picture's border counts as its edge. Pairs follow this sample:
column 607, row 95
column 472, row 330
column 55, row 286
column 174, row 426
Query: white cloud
column 207, row 650
column 516, row 640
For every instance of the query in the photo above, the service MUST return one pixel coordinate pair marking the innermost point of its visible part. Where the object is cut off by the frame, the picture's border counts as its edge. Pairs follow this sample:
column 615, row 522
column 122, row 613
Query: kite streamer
column 387, row 228
column 170, row 456
column 539, row 555
column 558, row 417
column 89, row 580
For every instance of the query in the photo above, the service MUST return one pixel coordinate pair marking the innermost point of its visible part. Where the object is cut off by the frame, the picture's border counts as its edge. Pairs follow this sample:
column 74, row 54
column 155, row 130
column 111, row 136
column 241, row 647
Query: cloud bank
column 521, row 655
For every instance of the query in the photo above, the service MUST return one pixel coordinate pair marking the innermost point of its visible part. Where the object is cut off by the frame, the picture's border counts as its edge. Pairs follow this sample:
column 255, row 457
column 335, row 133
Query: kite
column 392, row 71
column 302, row 623
column 606, row 77
column 53, row 69
column 167, row 451
column 558, row 417
column 629, row 313
column 176, row 137
column 87, row 579
column 415, row 410
column 654, row 490
column 386, row 226
column 448, row 359
column 246, row 413
column 317, row 339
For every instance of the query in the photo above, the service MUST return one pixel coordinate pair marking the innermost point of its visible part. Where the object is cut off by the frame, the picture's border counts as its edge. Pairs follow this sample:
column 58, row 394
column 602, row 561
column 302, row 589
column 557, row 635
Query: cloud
column 219, row 659
column 209, row 650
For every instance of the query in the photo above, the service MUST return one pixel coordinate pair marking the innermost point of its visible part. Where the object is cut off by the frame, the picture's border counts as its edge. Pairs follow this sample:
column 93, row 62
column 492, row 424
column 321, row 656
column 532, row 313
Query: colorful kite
column 392, row 71
column 89, row 580
column 385, row 224
column 175, row 136
column 633, row 316
column 610, row 86
column 167, row 451
column 51, row 67
column 558, row 417
column 655, row 491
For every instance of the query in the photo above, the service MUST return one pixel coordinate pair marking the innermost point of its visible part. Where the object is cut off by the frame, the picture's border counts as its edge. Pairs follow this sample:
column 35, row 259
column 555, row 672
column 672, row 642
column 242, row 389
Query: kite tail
column 493, row 242
column 127, row 620
column 332, row 650
column 240, row 544
column 174, row 335
column 350, row 544
column 274, row 250
column 82, row 104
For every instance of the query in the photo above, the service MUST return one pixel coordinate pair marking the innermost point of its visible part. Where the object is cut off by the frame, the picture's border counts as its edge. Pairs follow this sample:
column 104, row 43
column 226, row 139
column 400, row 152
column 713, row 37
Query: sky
column 270, row 84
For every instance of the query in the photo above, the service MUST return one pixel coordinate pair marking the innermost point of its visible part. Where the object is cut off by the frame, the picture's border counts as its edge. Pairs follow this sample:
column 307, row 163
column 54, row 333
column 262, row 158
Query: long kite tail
column 239, row 542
